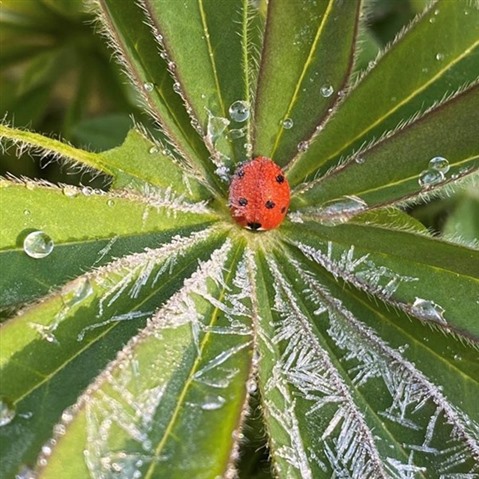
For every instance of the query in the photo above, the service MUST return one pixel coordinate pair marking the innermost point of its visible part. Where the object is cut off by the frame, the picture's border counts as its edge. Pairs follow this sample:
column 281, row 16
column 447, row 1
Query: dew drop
column 110, row 202
column 82, row 291
column 212, row 403
column 359, row 160
column 239, row 111
column 428, row 310
column 341, row 210
column 248, row 147
column 148, row 86
column 70, row 191
column 7, row 411
column 237, row 133
column 216, row 126
column 430, row 178
column 303, row 146
column 25, row 473
column 153, row 150
column 87, row 190
column 38, row 245
column 327, row 91
column 172, row 66
column 251, row 386
column 287, row 123
column 439, row 56
column 26, row 212
column 177, row 87
column 439, row 163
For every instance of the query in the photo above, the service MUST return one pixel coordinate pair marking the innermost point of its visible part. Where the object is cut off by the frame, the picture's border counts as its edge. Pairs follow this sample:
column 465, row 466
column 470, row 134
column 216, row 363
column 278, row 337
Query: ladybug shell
column 259, row 194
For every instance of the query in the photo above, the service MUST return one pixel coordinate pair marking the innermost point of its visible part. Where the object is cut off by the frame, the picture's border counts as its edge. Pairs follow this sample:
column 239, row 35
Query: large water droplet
column 430, row 178
column 341, row 210
column 38, row 245
column 148, row 86
column 439, row 163
column 327, row 91
column 239, row 111
column 216, row 126
column 212, row 403
column 287, row 123
column 7, row 411
column 428, row 310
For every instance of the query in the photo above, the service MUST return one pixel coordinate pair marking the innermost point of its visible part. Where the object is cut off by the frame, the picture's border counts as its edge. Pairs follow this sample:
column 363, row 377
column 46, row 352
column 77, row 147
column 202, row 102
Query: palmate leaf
column 133, row 348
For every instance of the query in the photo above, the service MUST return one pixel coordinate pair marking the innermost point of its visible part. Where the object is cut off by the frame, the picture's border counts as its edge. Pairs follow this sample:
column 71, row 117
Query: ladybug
column 259, row 194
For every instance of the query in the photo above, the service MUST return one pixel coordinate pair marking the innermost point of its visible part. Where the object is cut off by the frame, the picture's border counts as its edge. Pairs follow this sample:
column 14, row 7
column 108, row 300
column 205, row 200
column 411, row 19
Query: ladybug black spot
column 240, row 173
column 270, row 204
column 242, row 201
column 283, row 209
column 280, row 179
column 254, row 226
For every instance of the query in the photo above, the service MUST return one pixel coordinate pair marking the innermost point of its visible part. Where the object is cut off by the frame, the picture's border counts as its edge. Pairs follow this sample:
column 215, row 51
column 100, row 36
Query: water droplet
column 251, row 386
column 148, row 86
column 87, row 190
column 26, row 212
column 439, row 56
column 303, row 146
column 70, row 191
column 430, row 178
column 7, row 411
column 432, row 20
column 341, row 210
column 38, row 245
column 82, row 291
column 439, row 163
column 25, row 473
column 153, row 150
column 177, row 87
column 287, row 123
column 248, row 147
column 212, row 403
column 359, row 160
column 457, row 357
column 239, row 111
column 237, row 133
column 327, row 91
column 216, row 126
column 428, row 310
column 172, row 66
column 110, row 202
column 466, row 12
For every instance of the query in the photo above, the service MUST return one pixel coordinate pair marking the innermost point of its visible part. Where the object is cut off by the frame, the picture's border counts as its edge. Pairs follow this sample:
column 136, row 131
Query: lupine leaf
column 300, row 47
column 78, row 329
column 434, row 58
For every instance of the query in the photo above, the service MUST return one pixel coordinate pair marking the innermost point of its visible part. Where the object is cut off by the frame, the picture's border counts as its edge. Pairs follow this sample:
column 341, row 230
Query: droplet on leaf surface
column 38, row 245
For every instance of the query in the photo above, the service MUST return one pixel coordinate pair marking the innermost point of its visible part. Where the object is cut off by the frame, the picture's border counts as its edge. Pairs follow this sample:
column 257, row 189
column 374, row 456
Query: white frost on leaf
column 409, row 391
column 305, row 371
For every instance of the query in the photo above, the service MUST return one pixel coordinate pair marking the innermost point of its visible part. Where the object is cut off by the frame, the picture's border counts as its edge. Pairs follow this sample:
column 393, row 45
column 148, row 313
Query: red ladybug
column 259, row 194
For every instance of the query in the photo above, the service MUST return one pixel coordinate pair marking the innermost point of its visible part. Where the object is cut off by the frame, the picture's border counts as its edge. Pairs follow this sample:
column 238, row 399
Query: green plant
column 140, row 337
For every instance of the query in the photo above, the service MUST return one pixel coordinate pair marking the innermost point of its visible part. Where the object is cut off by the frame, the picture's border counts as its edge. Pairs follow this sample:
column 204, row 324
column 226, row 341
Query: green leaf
column 401, row 166
column 436, row 56
column 80, row 327
column 411, row 272
column 137, row 47
column 173, row 398
column 308, row 51
column 463, row 223
column 85, row 228
column 334, row 370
